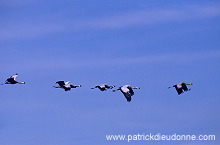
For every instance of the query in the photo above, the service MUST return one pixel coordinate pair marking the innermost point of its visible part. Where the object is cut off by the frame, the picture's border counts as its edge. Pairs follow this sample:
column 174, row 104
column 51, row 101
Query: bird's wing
column 179, row 90
column 102, row 89
column 11, row 80
column 67, row 85
column 107, row 86
column 184, row 87
column 102, row 86
column 61, row 83
column 72, row 86
column 67, row 82
column 131, row 91
column 14, row 76
column 124, row 89
column 127, row 96
column 66, row 89
column 179, row 85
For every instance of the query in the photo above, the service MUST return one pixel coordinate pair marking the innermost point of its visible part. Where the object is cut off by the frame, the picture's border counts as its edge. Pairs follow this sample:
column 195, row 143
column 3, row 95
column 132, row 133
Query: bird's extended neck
column 136, row 88
column 21, row 82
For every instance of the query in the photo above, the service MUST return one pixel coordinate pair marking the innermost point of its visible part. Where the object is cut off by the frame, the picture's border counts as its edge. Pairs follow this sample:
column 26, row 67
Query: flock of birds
column 127, row 90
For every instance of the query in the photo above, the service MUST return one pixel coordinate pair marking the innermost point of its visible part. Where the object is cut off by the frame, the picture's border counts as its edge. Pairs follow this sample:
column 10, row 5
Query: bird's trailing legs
column 115, row 90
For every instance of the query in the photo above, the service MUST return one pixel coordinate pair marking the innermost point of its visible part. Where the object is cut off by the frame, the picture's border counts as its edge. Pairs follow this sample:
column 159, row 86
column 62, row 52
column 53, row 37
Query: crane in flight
column 181, row 87
column 103, row 87
column 127, row 91
column 66, row 85
column 12, row 80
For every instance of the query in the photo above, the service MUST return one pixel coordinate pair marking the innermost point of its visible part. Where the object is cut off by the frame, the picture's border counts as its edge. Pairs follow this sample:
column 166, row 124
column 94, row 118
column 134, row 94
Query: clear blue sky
column 145, row 43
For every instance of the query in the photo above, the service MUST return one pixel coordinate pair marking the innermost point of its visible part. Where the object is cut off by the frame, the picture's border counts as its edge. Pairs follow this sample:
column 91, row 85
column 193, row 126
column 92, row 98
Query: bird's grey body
column 127, row 91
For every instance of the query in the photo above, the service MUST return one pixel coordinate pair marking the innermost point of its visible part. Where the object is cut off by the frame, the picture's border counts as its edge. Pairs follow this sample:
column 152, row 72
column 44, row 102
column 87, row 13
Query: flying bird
column 127, row 90
column 181, row 87
column 12, row 80
column 66, row 85
column 103, row 87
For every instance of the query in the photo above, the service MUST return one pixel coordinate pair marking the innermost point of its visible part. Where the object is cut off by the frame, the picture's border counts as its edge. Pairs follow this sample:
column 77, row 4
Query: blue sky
column 144, row 43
